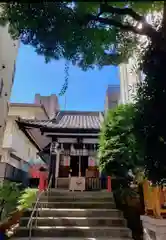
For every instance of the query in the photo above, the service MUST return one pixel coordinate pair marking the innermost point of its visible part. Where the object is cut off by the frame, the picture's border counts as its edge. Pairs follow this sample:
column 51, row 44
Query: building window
column 1, row 86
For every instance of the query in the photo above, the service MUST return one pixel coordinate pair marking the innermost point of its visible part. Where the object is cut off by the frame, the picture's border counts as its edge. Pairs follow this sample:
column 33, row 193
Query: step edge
column 81, row 202
column 76, row 218
column 78, row 209
column 76, row 227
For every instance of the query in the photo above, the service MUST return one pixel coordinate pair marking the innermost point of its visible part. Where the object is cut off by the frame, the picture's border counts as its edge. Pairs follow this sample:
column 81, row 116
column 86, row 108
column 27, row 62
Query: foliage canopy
column 87, row 33
column 150, row 116
column 118, row 148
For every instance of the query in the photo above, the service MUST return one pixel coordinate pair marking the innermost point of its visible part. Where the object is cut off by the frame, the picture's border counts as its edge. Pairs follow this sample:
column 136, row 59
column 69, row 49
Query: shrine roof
column 68, row 120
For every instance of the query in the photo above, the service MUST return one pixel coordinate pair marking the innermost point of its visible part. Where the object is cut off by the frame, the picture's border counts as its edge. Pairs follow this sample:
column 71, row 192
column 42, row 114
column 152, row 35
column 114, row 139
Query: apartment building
column 128, row 81
column 20, row 148
column 8, row 54
column 112, row 97
column 128, row 73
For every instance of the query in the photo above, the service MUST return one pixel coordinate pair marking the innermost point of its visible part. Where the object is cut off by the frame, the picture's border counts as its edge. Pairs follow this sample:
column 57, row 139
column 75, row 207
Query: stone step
column 75, row 231
column 68, row 238
column 76, row 212
column 74, row 204
column 84, row 194
column 76, row 198
column 76, row 221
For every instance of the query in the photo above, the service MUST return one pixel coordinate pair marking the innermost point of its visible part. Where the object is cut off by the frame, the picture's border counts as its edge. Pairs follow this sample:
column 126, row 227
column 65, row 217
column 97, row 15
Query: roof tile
column 71, row 119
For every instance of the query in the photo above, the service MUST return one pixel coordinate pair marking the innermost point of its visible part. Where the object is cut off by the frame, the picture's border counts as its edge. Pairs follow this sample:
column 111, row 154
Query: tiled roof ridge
column 78, row 111
column 71, row 120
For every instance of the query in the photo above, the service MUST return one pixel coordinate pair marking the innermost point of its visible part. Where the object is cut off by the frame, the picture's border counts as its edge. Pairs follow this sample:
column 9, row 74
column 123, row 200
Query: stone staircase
column 76, row 215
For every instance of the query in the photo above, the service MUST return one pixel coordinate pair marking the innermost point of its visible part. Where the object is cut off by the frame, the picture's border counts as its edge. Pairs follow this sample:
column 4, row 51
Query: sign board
column 66, row 161
column 77, row 184
column 91, row 162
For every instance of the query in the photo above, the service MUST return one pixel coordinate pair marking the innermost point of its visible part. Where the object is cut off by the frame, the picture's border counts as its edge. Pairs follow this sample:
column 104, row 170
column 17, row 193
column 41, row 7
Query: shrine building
column 69, row 144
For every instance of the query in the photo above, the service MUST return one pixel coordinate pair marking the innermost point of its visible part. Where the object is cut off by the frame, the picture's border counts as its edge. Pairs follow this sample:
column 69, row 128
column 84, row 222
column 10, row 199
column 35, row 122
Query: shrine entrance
column 78, row 166
column 84, row 165
column 74, row 166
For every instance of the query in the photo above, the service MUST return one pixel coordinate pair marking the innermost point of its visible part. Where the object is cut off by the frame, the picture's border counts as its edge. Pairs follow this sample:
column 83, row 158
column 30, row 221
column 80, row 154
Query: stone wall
column 154, row 229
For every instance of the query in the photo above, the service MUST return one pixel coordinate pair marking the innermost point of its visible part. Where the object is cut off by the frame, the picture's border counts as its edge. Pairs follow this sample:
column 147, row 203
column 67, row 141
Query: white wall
column 16, row 142
column 8, row 54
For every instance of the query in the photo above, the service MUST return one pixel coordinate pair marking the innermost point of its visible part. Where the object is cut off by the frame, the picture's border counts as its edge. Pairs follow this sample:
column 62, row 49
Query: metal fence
column 93, row 183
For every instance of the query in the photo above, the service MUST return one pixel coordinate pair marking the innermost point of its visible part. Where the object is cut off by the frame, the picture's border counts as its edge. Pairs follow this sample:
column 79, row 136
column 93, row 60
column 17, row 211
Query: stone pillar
column 57, row 168
column 52, row 166
column 154, row 229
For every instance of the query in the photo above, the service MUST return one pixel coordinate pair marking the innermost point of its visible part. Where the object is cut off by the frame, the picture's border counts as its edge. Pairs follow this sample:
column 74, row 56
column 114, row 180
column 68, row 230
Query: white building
column 8, row 54
column 18, row 147
column 112, row 97
column 129, row 75
column 128, row 81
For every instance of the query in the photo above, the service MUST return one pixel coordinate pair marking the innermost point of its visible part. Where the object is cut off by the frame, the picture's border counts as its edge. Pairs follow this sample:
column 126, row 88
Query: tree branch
column 146, row 29
column 121, row 11
column 112, row 22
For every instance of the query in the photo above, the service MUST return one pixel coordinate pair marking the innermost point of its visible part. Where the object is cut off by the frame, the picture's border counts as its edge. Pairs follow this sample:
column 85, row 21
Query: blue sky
column 86, row 90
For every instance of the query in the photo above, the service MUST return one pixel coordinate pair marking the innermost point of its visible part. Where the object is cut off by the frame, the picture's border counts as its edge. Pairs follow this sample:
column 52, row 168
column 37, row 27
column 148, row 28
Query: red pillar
column 109, row 189
column 43, row 181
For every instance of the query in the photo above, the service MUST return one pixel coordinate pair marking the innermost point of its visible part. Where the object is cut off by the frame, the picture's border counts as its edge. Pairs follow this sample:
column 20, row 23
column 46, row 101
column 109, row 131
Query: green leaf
column 62, row 30
column 118, row 149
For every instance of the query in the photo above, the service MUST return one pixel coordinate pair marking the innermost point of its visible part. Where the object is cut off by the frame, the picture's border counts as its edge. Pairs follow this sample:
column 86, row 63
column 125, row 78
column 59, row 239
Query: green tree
column 94, row 34
column 9, row 193
column 87, row 33
column 150, row 117
column 118, row 149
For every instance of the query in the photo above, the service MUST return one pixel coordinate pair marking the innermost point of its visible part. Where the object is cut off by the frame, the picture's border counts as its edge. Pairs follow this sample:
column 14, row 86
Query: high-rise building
column 129, row 75
column 128, row 81
column 8, row 54
column 112, row 96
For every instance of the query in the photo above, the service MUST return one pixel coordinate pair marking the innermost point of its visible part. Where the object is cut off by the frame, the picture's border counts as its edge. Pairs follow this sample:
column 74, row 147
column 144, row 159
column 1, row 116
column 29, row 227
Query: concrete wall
column 8, row 54
column 50, row 104
column 16, row 142
column 27, row 111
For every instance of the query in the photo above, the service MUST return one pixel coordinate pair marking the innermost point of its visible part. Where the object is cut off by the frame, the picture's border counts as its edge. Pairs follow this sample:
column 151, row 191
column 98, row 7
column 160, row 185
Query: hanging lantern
column 72, row 150
column 84, row 150
column 62, row 148
column 91, row 150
